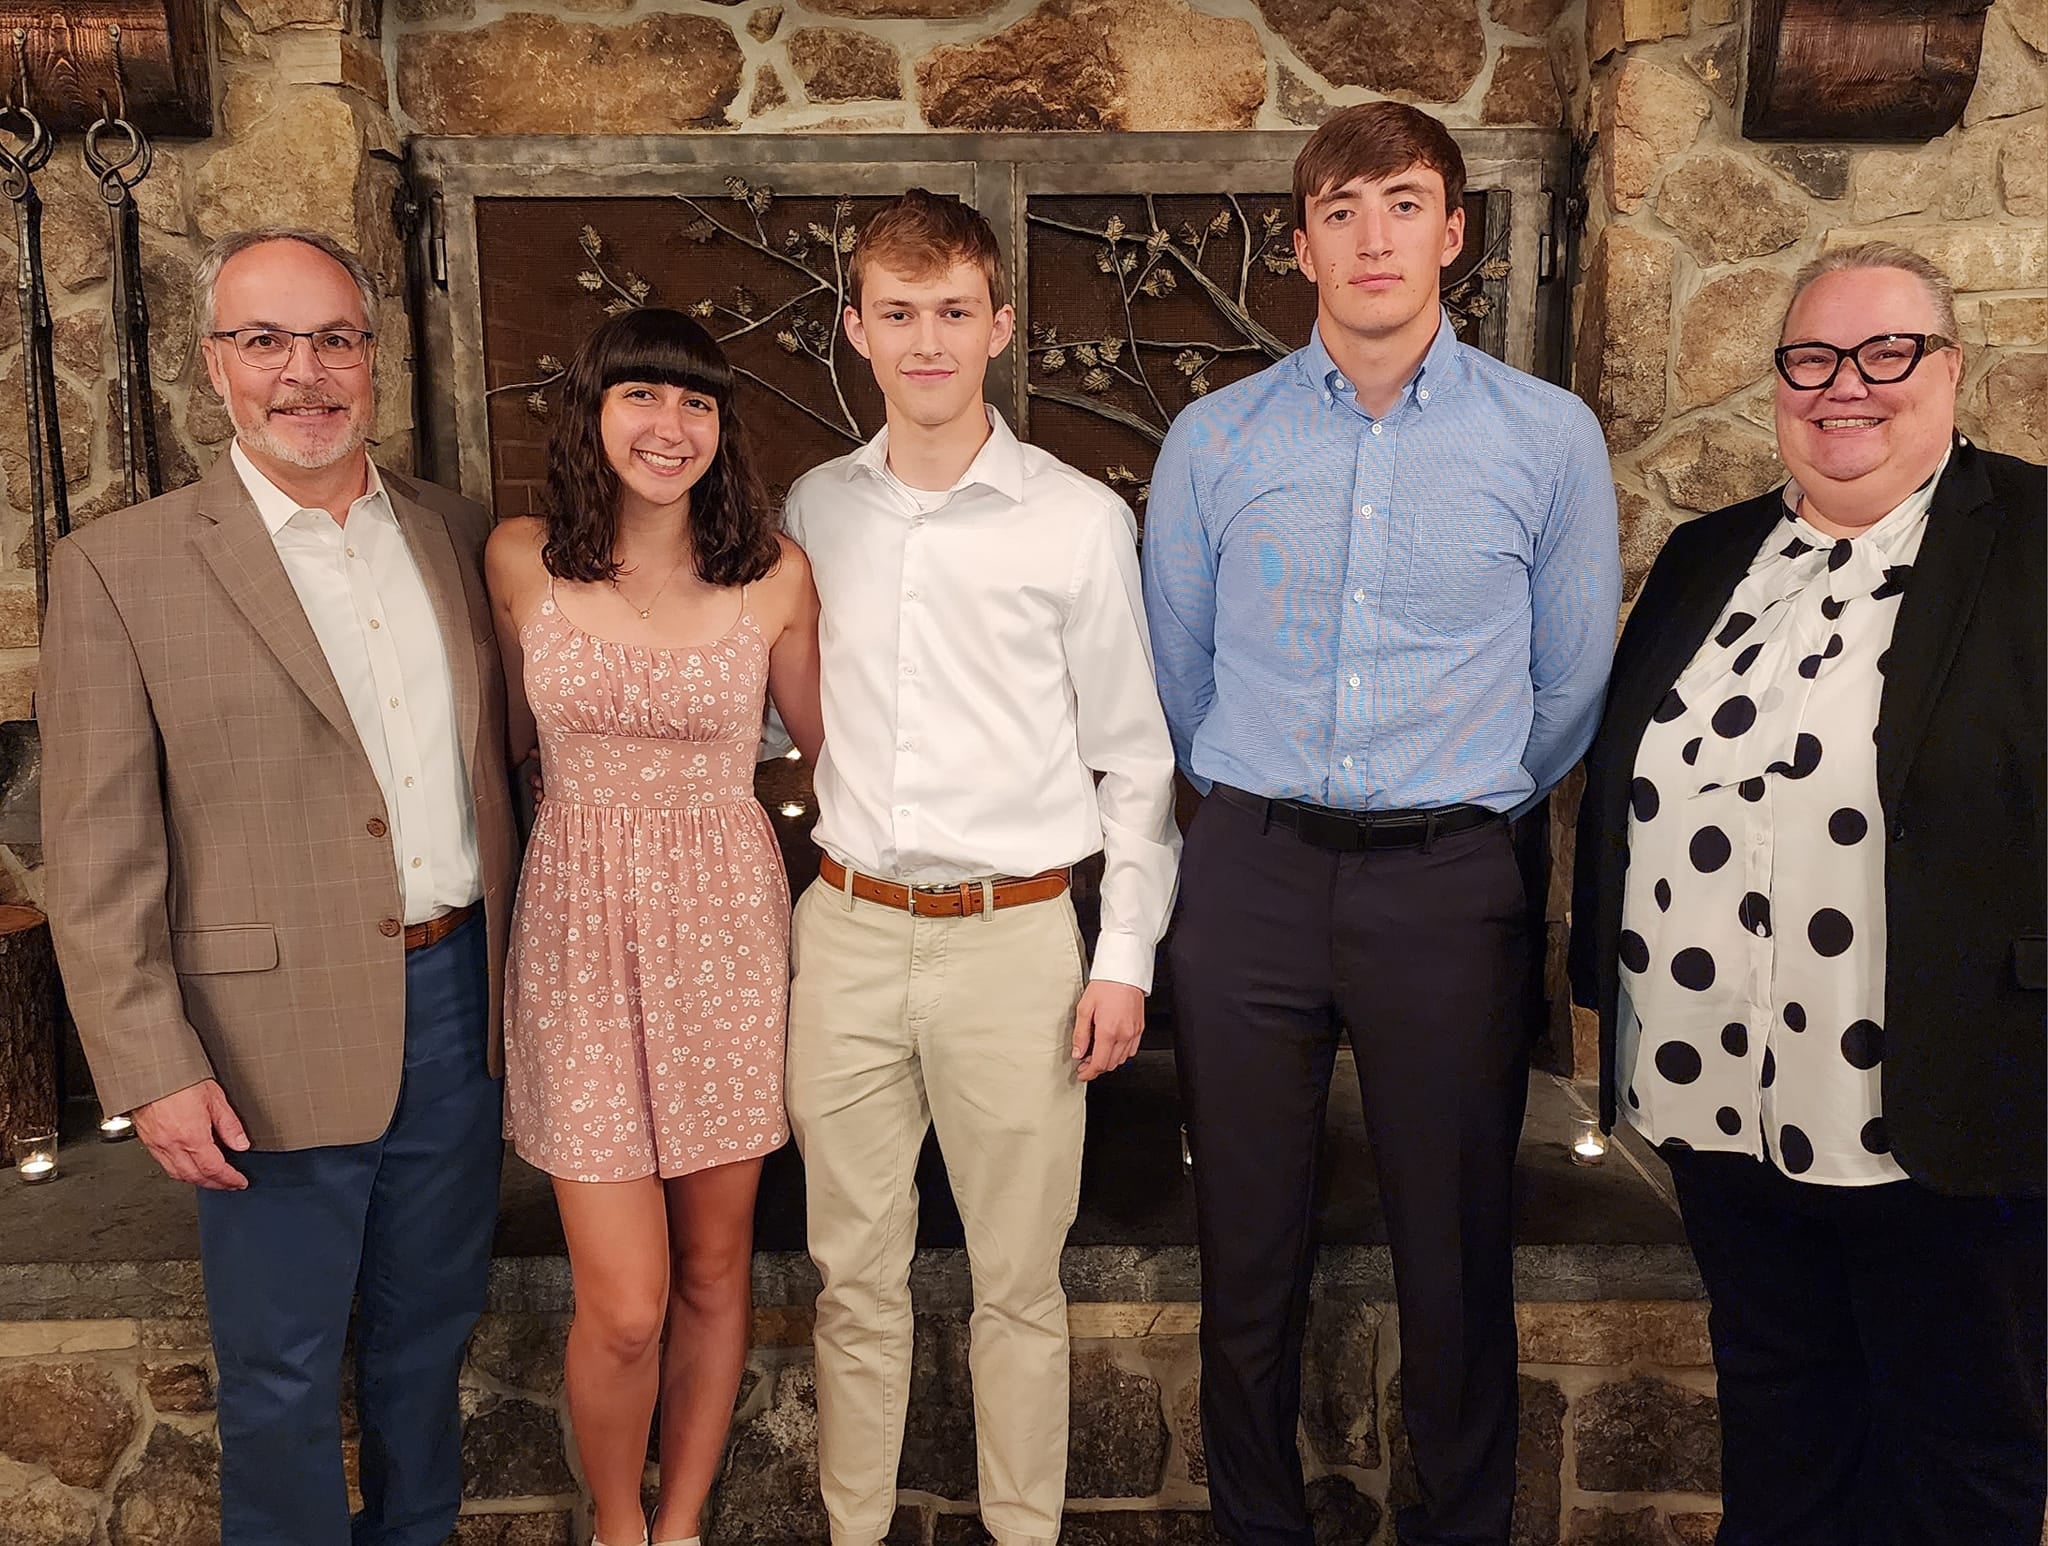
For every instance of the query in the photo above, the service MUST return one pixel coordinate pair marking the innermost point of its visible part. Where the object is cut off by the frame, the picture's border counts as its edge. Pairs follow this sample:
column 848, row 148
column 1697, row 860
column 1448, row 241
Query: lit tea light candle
column 1588, row 1143
column 35, row 1157
column 114, row 1129
column 792, row 808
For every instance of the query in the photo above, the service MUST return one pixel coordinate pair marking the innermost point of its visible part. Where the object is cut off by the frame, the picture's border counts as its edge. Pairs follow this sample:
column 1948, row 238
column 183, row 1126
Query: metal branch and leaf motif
column 774, row 304
column 1140, row 304
column 1133, row 306
column 1127, row 374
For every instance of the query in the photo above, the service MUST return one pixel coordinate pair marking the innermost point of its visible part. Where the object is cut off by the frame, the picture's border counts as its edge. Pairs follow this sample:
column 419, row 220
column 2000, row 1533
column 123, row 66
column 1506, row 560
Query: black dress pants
column 1278, row 947
column 1880, row 1355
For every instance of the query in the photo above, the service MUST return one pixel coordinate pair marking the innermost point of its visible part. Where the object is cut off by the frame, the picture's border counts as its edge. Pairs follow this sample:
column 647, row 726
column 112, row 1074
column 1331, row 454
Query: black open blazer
column 1961, row 750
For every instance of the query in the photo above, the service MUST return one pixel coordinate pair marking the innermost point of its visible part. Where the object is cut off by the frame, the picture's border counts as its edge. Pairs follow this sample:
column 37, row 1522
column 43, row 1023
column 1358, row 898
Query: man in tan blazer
column 282, row 859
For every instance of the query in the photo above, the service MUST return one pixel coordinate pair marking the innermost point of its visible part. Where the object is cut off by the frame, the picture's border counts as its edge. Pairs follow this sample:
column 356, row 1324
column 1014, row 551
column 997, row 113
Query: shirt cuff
column 1123, row 958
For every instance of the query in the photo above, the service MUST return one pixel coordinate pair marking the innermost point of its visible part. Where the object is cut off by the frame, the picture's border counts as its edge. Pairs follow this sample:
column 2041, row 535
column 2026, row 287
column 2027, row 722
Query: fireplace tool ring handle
column 117, row 174
column 19, row 163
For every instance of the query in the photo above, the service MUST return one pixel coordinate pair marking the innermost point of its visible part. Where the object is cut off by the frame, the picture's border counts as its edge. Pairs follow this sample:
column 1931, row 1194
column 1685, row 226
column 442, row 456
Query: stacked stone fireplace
column 1689, row 231
column 1634, row 244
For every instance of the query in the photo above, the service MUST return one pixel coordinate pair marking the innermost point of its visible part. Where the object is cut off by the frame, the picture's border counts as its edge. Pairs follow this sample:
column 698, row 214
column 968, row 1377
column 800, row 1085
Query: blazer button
column 375, row 826
column 389, row 928
column 1899, row 832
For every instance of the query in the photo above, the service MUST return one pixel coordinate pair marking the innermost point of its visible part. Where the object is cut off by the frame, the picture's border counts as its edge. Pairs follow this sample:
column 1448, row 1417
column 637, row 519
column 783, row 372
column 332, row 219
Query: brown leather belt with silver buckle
column 961, row 901
column 420, row 935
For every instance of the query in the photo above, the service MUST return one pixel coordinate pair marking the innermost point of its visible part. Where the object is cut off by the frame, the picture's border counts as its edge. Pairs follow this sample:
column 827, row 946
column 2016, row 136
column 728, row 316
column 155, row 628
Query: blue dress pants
column 401, row 1227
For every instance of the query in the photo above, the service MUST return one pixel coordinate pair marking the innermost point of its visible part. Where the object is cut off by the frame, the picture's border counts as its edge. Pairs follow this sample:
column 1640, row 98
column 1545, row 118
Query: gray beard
column 258, row 436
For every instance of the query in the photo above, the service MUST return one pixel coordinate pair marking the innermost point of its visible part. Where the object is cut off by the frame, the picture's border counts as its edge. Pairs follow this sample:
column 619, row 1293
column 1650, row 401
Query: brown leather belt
column 420, row 935
column 961, row 901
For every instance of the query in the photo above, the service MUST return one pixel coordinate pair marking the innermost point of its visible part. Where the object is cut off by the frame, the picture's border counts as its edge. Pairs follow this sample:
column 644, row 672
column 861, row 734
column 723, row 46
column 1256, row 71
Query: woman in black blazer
column 1809, row 910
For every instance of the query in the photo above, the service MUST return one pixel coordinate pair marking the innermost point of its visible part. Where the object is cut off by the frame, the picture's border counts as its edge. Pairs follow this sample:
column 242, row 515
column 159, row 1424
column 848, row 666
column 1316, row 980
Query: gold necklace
column 647, row 610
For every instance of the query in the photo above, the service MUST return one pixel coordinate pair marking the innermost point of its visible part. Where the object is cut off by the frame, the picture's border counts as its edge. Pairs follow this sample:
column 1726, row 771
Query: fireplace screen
column 1147, row 270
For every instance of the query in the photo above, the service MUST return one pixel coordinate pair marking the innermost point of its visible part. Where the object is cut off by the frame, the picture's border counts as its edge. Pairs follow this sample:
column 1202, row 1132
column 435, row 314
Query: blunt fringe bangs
column 1374, row 140
column 732, row 532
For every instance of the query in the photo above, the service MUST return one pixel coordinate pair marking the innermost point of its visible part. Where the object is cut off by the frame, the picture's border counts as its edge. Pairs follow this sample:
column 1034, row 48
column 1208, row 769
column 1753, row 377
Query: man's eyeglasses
column 1880, row 361
column 270, row 348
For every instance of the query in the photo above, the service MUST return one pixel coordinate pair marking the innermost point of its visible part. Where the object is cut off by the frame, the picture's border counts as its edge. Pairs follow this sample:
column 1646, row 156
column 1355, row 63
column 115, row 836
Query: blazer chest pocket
column 2030, row 961
column 237, row 947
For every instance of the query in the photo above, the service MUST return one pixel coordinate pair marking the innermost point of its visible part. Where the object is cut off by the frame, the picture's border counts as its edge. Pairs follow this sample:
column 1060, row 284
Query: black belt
column 1351, row 832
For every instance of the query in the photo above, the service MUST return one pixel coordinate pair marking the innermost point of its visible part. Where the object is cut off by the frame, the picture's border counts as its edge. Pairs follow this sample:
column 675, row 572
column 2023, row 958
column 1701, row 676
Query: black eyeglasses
column 1880, row 361
column 270, row 348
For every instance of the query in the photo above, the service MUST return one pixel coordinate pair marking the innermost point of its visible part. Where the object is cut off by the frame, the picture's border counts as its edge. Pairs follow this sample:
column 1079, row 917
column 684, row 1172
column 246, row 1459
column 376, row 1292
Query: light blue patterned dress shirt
column 1383, row 614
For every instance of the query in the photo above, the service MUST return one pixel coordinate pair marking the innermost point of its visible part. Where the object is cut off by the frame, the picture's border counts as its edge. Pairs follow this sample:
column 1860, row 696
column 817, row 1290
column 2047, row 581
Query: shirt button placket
column 910, row 618
column 1756, row 868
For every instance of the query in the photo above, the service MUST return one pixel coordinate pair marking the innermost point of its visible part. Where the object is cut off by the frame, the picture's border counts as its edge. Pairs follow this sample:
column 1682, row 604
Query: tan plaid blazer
column 220, row 906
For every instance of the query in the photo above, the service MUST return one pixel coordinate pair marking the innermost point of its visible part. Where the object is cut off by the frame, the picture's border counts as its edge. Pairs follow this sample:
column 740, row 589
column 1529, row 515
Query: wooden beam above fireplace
column 78, row 73
column 1897, row 70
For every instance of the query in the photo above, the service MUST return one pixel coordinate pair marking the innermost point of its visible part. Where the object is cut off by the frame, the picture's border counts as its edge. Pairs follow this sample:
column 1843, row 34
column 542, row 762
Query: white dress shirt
column 370, row 611
column 984, row 660
column 1753, row 921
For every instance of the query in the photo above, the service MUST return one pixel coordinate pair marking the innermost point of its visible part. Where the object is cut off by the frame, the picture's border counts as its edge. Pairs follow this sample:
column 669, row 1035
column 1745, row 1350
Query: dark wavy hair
column 732, row 530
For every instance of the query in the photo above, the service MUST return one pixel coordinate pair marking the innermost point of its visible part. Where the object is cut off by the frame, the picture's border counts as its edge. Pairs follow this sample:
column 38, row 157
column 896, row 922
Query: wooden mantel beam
column 1860, row 69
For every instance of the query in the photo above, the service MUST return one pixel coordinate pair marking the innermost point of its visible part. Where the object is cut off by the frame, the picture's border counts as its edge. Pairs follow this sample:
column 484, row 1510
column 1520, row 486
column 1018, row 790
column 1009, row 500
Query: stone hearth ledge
column 114, row 1239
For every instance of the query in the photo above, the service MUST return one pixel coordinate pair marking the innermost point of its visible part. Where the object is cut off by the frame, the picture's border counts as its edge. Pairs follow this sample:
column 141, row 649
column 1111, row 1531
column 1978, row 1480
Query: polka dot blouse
column 1753, row 925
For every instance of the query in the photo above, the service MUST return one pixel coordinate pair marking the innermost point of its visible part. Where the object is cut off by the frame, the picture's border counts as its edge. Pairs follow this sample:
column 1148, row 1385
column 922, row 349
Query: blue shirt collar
column 1439, row 368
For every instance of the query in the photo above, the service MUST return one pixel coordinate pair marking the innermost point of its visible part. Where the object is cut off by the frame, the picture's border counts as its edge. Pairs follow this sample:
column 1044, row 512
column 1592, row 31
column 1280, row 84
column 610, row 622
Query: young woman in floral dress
column 644, row 619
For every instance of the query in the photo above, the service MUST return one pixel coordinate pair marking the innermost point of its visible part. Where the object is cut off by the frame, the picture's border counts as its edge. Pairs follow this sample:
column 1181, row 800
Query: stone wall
column 1694, row 234
column 552, row 66
column 106, row 1426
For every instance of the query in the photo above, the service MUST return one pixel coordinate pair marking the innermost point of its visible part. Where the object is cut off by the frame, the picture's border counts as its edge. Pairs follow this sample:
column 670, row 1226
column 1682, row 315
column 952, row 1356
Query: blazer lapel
column 1947, row 575
column 243, row 557
column 448, row 587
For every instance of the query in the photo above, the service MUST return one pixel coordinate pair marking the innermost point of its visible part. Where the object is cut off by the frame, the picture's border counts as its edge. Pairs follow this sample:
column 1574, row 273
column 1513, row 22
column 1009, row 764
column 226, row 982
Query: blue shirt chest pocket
column 1467, row 570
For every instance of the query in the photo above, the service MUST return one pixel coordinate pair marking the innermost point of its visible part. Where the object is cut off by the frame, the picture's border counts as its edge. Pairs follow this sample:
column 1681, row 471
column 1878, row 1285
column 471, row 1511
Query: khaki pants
column 897, row 1023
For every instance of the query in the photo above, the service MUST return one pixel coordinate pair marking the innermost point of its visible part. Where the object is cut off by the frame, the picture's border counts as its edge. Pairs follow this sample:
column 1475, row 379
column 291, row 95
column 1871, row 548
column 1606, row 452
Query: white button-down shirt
column 984, row 660
column 370, row 610
column 1753, row 922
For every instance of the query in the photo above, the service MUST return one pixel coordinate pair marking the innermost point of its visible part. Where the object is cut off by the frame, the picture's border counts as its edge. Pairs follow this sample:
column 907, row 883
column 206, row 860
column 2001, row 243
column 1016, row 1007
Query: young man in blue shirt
column 1382, row 582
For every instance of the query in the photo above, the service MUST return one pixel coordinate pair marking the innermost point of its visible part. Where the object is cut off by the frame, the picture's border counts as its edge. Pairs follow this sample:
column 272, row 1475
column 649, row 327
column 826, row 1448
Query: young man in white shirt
column 990, row 720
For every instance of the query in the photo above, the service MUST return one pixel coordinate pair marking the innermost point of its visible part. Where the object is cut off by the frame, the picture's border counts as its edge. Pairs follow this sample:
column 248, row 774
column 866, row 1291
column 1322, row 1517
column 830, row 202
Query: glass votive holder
column 1588, row 1143
column 115, row 1129
column 35, row 1157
